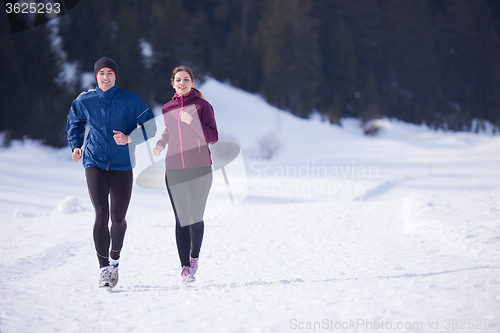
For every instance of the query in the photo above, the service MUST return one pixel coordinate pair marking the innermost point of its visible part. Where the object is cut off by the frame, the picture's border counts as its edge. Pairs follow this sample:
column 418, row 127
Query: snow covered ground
column 337, row 232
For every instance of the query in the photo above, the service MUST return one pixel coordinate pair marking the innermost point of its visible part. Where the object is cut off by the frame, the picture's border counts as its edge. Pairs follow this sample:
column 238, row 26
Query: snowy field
column 337, row 232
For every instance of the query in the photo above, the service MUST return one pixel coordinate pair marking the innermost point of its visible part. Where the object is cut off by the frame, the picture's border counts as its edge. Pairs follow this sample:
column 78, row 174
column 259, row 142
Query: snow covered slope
column 340, row 232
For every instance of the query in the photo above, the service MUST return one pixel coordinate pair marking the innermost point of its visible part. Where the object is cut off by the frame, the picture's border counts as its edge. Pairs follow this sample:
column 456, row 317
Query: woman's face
column 182, row 83
column 106, row 78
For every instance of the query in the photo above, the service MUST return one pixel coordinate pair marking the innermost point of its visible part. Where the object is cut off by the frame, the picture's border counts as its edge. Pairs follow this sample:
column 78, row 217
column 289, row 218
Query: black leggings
column 188, row 191
column 116, row 185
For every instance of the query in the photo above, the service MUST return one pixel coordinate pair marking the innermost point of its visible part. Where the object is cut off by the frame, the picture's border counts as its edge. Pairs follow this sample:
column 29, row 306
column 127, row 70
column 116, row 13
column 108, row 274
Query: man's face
column 106, row 78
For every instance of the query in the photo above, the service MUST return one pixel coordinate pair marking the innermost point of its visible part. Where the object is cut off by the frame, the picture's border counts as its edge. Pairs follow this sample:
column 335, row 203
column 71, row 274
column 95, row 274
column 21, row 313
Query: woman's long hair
column 190, row 72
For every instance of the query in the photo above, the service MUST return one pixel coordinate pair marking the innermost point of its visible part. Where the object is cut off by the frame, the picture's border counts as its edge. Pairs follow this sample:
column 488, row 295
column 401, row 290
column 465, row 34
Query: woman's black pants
column 188, row 190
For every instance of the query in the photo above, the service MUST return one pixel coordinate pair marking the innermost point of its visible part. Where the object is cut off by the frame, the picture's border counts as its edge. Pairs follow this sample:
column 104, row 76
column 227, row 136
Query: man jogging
column 111, row 115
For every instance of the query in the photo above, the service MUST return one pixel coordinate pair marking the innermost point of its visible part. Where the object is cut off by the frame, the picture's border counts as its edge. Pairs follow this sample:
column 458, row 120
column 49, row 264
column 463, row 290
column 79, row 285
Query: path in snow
column 264, row 267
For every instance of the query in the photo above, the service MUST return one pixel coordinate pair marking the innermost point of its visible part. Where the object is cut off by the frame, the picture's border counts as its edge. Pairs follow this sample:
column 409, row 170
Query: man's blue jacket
column 103, row 112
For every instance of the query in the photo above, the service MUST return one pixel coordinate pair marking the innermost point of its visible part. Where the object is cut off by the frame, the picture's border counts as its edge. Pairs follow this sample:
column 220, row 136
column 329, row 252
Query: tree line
column 422, row 61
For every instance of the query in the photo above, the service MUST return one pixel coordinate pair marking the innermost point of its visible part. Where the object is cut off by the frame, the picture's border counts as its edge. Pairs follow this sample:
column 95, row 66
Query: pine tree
column 466, row 75
column 31, row 99
column 170, row 44
column 12, row 87
column 411, row 84
column 369, row 104
column 292, row 67
column 367, row 22
column 341, row 68
column 237, row 59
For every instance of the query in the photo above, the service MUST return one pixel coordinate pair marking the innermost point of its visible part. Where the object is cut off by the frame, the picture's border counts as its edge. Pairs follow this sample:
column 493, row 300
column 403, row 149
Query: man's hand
column 120, row 138
column 77, row 154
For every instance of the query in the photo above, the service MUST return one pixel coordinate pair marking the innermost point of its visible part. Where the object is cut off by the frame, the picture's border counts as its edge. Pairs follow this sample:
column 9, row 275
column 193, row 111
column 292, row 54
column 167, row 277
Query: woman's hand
column 121, row 139
column 186, row 117
column 77, row 154
column 157, row 150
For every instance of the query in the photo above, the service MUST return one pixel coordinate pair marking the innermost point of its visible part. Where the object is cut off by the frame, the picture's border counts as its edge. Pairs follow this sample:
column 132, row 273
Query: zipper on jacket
column 199, row 147
column 179, row 127
column 107, row 103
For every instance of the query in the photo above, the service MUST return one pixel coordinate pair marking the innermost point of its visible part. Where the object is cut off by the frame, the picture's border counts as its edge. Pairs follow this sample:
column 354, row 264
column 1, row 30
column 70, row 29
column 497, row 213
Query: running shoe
column 105, row 278
column 109, row 276
column 194, row 265
column 187, row 277
column 114, row 274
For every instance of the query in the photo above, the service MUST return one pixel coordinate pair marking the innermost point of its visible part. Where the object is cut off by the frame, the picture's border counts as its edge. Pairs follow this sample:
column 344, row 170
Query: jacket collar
column 190, row 95
column 108, row 93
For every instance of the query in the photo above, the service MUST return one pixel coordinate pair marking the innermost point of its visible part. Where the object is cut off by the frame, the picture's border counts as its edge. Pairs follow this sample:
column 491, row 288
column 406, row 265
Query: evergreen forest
column 435, row 62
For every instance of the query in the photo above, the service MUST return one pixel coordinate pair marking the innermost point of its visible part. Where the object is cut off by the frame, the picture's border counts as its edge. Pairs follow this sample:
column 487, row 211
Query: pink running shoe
column 187, row 277
column 194, row 265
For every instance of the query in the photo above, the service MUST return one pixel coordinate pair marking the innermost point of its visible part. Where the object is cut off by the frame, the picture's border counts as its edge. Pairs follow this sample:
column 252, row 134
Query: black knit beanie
column 105, row 62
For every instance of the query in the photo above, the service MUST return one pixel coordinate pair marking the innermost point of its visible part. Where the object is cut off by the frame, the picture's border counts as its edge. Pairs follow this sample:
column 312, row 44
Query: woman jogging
column 189, row 128
column 111, row 115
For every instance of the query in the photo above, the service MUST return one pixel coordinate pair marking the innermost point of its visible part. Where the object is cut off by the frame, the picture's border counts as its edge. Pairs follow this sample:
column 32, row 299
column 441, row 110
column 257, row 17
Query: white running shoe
column 109, row 276
column 114, row 274
column 187, row 277
column 194, row 265
column 105, row 278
